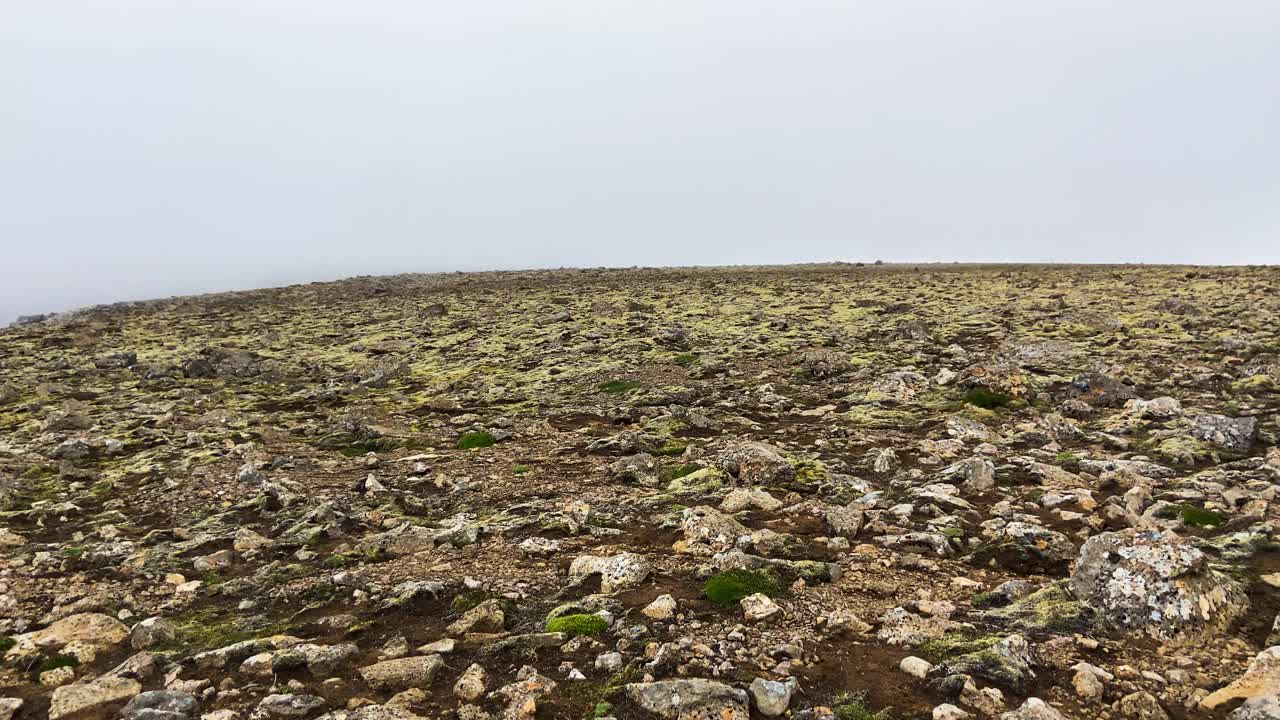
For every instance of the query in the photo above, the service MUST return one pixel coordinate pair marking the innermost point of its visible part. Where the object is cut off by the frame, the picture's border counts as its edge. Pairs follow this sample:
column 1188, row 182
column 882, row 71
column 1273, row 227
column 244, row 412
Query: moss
column 601, row 709
column 617, row 387
column 960, row 642
column 679, row 471
column 727, row 588
column 519, row 469
column 984, row 398
column 466, row 600
column 986, row 599
column 685, row 359
column 1066, row 457
column 672, row 447
column 855, row 706
column 1253, row 384
column 1049, row 609
column 576, row 625
column 1199, row 517
column 810, row 472
column 6, row 643
column 473, row 440
column 53, row 662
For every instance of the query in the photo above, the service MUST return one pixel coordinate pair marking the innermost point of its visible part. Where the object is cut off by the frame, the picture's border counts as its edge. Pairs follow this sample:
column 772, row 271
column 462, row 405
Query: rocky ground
column 825, row 492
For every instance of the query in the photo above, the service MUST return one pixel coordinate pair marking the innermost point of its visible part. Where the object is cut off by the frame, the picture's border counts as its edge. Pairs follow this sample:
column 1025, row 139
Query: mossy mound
column 576, row 625
column 727, row 588
column 1051, row 609
column 476, row 440
column 987, row 400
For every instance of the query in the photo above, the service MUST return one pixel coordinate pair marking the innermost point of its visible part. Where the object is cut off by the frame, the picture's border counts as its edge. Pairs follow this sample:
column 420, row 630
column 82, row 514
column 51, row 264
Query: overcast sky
column 160, row 147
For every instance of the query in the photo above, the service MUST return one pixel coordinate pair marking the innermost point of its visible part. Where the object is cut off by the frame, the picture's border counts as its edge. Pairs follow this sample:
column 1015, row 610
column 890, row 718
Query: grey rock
column 689, row 699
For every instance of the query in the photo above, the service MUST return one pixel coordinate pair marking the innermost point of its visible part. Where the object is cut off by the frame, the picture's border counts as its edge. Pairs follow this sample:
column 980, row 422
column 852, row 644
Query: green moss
column 986, row 600
column 466, row 600
column 53, row 662
column 727, row 588
column 1066, row 457
column 960, row 642
column 671, row 448
column 984, row 398
column 603, row 708
column 1049, row 609
column 616, row 387
column 473, row 440
column 671, row 473
column 6, row 642
column 855, row 706
column 809, row 472
column 576, row 625
column 519, row 469
column 1254, row 383
column 686, row 359
column 1199, row 517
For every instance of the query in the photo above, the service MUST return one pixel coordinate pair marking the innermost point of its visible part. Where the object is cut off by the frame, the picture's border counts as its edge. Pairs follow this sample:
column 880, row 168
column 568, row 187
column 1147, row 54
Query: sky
column 151, row 148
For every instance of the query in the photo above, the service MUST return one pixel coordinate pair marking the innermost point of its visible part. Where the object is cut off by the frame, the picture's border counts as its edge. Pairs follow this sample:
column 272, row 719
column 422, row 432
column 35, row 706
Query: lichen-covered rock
column 95, row 700
column 756, row 463
column 617, row 572
column 92, row 630
column 1235, row 434
column 1155, row 583
column 1024, row 547
column 1033, row 709
column 1007, row 663
column 689, row 699
column 707, row 531
column 402, row 673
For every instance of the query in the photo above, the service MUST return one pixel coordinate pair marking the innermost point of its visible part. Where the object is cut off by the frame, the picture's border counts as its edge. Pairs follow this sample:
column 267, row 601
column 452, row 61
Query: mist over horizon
column 151, row 150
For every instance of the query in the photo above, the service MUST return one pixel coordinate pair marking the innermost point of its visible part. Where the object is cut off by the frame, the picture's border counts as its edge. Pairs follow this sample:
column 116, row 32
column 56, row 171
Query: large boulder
column 97, row 700
column 1156, row 583
column 689, row 699
column 1028, row 548
column 617, row 572
column 1234, row 434
column 756, row 464
column 93, row 631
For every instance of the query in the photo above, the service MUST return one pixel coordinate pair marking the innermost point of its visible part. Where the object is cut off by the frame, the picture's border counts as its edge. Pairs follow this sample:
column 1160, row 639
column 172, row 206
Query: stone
column 470, row 686
column 915, row 667
column 1157, row 583
column 402, row 673
column 617, row 572
column 758, row 607
column 754, row 463
column 151, row 632
column 1235, row 434
column 772, row 698
column 663, row 607
column 160, row 705
column 97, row 700
column 84, row 630
column 487, row 617
column 1260, row 680
column 689, row 699
column 947, row 711
column 741, row 499
column 9, row 707
column 1141, row 706
column 289, row 706
column 1034, row 708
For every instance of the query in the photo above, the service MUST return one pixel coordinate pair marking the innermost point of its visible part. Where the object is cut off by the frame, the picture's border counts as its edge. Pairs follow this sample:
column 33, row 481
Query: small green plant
column 1066, row 457
column 53, row 662
column 520, row 469
column 603, row 708
column 615, row 387
column 727, row 588
column 576, row 625
column 6, row 642
column 336, row 560
column 476, row 440
column 466, row 600
column 669, row 474
column 1199, row 517
column 686, row 359
column 986, row 599
column 984, row 398
column 855, row 706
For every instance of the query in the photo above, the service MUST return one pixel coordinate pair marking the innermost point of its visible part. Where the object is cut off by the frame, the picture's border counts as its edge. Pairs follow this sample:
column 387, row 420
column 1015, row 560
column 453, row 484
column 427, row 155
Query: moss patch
column 473, row 440
column 727, row 588
column 617, row 387
column 576, row 625
column 984, row 398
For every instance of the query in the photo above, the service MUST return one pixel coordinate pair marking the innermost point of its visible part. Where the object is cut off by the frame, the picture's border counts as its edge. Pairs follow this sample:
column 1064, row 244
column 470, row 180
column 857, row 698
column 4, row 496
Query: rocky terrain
column 821, row 492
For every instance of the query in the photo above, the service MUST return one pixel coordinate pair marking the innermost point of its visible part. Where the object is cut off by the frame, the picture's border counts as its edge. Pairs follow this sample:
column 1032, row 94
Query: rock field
column 825, row 492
